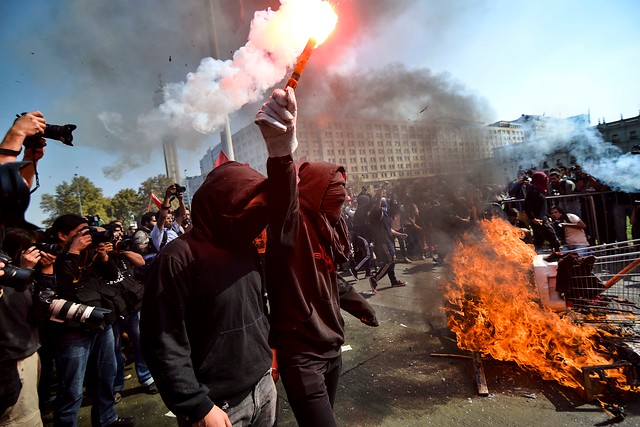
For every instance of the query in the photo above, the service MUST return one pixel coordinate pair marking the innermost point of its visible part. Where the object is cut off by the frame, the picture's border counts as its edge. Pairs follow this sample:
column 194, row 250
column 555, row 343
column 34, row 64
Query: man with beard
column 203, row 327
column 307, row 239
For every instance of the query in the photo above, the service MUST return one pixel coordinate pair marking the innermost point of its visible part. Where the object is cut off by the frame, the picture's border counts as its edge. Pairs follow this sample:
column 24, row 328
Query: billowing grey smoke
column 599, row 158
column 392, row 92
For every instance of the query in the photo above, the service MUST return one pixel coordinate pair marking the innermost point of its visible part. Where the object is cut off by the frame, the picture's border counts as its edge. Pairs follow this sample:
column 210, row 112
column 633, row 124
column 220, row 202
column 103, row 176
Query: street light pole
column 79, row 195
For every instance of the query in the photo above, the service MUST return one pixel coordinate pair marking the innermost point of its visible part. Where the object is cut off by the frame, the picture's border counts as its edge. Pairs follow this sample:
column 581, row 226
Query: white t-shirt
column 572, row 235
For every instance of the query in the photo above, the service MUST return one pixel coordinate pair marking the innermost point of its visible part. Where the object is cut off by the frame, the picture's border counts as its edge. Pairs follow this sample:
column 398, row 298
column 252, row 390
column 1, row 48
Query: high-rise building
column 623, row 133
column 384, row 150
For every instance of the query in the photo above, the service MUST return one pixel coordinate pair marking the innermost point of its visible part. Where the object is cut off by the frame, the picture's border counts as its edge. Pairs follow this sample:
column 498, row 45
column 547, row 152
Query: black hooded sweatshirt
column 301, row 258
column 203, row 327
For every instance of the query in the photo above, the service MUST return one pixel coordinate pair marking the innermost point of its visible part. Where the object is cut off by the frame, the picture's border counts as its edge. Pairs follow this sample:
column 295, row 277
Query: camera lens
column 50, row 248
column 17, row 278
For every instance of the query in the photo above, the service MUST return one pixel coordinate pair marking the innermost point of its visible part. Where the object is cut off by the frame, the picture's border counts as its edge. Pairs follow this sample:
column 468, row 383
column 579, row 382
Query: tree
column 124, row 204
column 80, row 197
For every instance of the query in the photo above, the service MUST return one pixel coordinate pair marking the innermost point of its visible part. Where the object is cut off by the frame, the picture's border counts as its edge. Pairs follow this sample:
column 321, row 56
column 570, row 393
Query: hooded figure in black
column 203, row 327
column 307, row 239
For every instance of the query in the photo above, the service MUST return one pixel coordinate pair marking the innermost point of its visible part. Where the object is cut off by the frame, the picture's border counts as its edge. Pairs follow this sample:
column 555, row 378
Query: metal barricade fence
column 594, row 208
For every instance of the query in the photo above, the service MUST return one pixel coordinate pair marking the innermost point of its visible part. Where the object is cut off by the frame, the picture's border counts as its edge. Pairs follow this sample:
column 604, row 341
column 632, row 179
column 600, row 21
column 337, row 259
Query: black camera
column 18, row 278
column 180, row 188
column 50, row 248
column 99, row 236
column 63, row 311
column 123, row 245
column 62, row 133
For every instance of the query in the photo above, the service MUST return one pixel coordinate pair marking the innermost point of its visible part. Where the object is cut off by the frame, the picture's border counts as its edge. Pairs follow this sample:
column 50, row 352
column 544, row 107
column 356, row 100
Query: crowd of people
column 187, row 290
column 210, row 318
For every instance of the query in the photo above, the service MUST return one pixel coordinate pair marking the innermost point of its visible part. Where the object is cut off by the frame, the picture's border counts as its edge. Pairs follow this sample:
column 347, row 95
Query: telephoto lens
column 63, row 311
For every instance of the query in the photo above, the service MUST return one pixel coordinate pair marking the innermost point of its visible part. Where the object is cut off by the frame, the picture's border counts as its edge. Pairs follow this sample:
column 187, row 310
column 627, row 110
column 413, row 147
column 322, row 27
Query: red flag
column 222, row 158
column 155, row 199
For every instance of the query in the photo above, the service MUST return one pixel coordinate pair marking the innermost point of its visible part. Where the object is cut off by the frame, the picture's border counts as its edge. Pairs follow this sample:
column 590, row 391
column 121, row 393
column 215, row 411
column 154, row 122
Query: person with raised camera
column 18, row 338
column 168, row 225
column 83, row 351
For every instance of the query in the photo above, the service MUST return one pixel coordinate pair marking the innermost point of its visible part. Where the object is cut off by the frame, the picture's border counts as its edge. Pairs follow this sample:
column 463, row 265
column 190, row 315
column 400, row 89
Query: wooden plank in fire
column 478, row 371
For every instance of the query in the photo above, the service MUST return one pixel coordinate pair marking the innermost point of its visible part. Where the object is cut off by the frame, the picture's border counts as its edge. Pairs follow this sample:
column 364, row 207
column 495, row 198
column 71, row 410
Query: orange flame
column 310, row 19
column 493, row 307
column 299, row 20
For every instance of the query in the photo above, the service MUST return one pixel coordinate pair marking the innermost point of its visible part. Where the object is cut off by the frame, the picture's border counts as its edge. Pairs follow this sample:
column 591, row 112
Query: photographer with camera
column 83, row 274
column 30, row 271
column 30, row 130
column 132, row 289
column 168, row 226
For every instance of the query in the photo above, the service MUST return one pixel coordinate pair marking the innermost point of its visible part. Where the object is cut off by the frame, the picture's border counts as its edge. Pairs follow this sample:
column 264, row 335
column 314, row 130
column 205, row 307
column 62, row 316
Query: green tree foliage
column 124, row 204
column 80, row 197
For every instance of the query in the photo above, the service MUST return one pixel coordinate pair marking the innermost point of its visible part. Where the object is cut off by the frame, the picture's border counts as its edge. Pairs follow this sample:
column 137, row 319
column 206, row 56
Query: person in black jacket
column 83, row 271
column 307, row 240
column 203, row 327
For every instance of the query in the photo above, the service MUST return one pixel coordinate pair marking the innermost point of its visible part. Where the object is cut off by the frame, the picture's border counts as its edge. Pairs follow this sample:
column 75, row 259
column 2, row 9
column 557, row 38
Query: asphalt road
column 391, row 377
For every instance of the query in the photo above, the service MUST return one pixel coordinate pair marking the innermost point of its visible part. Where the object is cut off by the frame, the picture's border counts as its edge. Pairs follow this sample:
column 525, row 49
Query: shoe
column 128, row 377
column 354, row 273
column 399, row 284
column 117, row 396
column 151, row 388
column 122, row 422
column 374, row 284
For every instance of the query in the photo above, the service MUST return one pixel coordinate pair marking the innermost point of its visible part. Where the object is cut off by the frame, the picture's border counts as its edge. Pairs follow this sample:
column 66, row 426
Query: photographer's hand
column 30, row 258
column 103, row 251
column 24, row 126
column 46, row 262
column 80, row 242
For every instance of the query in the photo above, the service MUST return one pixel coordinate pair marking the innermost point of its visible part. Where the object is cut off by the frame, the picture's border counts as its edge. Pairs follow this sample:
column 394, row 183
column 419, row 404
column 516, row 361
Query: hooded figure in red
column 203, row 327
column 535, row 206
column 540, row 181
column 307, row 241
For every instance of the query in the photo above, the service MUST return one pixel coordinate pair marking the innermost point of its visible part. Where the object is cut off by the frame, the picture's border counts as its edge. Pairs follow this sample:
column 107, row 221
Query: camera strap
column 35, row 171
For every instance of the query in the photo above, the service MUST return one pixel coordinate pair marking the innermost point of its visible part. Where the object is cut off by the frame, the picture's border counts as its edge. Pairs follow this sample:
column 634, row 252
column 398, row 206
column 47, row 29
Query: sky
column 100, row 65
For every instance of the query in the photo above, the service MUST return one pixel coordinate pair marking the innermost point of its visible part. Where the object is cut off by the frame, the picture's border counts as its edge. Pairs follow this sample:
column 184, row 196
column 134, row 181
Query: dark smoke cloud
column 392, row 92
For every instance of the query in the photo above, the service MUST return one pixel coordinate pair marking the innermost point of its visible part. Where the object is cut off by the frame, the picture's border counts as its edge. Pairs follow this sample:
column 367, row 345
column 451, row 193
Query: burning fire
column 493, row 308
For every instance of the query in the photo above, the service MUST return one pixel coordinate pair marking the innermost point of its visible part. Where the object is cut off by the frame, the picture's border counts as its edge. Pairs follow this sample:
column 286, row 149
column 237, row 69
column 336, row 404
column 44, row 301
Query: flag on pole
column 154, row 198
column 222, row 158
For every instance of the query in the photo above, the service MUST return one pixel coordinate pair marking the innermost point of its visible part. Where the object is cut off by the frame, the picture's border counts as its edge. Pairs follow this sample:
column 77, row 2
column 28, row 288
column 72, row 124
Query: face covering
column 334, row 199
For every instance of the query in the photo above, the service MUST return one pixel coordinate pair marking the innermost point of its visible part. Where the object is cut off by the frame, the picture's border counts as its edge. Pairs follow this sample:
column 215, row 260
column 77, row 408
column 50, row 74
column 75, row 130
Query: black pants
column 311, row 385
column 545, row 232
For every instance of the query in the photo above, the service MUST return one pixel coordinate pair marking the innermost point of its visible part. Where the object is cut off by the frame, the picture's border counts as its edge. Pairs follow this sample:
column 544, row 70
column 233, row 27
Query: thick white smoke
column 599, row 158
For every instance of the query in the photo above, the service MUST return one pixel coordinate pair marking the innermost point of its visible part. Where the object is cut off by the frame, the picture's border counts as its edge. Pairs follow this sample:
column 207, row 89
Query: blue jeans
column 131, row 325
column 83, row 354
column 258, row 409
column 582, row 250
